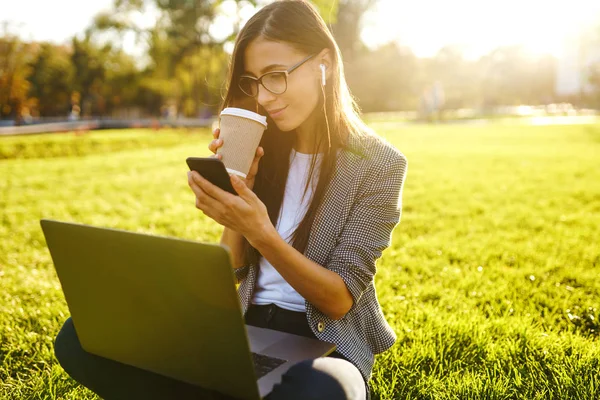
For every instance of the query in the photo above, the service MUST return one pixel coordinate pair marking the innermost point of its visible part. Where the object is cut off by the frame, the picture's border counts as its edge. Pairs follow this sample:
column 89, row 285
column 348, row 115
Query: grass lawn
column 491, row 283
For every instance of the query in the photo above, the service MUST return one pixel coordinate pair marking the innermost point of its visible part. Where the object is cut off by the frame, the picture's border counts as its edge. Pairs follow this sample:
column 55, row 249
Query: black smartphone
column 213, row 170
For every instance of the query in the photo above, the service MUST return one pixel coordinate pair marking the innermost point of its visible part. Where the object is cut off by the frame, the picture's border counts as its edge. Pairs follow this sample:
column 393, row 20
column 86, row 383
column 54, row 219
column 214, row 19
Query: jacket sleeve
column 368, row 230
column 241, row 273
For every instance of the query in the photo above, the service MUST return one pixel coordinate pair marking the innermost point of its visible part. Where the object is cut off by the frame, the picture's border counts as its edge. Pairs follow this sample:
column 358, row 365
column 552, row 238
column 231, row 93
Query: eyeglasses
column 275, row 82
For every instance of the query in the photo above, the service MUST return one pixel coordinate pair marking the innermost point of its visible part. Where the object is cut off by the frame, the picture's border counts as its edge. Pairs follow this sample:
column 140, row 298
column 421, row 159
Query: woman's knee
column 347, row 376
column 323, row 378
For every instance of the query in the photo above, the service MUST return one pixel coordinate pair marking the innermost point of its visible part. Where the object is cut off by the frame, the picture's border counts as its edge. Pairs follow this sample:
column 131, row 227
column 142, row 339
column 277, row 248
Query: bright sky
column 58, row 20
column 54, row 20
column 424, row 25
column 479, row 25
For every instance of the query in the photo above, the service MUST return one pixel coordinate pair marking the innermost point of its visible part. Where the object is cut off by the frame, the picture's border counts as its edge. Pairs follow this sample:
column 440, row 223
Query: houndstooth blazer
column 352, row 227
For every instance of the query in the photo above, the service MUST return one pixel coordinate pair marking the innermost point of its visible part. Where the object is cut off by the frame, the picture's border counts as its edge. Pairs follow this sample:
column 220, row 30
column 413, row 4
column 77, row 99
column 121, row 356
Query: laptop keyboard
column 265, row 364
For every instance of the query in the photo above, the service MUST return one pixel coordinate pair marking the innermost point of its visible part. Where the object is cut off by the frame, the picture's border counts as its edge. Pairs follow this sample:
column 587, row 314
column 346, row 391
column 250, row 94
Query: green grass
column 78, row 143
column 491, row 283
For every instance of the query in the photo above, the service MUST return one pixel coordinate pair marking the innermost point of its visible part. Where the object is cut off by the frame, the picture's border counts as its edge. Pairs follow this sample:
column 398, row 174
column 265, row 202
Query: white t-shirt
column 271, row 288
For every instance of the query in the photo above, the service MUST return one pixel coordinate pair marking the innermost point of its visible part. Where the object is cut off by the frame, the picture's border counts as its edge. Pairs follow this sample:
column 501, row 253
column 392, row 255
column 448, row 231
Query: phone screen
column 213, row 170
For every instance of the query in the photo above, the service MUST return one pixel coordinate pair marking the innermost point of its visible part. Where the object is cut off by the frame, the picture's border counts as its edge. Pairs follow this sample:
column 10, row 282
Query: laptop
column 169, row 306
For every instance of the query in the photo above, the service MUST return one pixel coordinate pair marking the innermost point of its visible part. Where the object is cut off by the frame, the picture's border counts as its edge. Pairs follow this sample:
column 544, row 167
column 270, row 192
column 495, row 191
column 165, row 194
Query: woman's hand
column 244, row 213
column 216, row 143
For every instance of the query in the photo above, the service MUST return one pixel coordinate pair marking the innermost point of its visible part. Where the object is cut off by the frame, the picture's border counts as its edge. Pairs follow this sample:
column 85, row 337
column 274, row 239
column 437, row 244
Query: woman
column 313, row 215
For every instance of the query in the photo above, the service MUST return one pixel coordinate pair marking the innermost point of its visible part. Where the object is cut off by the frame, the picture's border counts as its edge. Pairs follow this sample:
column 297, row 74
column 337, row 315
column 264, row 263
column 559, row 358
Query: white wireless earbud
column 323, row 77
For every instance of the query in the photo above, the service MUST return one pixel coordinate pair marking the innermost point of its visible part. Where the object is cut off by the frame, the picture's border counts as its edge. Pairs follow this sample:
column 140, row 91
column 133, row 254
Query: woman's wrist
column 234, row 241
column 265, row 236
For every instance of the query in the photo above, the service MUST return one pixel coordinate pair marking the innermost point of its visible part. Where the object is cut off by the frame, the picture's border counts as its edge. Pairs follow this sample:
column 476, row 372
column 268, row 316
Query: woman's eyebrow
column 272, row 66
column 267, row 68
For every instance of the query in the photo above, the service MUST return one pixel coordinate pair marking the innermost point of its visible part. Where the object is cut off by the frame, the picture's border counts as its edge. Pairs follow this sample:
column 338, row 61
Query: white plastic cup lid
column 240, row 112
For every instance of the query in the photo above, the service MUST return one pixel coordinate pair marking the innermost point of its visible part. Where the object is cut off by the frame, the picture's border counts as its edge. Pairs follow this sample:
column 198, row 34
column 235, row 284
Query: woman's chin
column 284, row 127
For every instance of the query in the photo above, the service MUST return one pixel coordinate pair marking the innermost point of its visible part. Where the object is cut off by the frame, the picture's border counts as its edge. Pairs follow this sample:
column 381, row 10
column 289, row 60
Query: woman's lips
column 277, row 112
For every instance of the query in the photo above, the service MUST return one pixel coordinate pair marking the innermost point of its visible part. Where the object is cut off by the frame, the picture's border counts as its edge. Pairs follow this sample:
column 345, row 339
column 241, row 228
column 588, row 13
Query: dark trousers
column 324, row 378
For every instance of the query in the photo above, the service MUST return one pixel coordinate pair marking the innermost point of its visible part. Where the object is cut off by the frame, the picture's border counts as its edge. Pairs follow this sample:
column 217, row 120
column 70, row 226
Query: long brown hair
column 298, row 24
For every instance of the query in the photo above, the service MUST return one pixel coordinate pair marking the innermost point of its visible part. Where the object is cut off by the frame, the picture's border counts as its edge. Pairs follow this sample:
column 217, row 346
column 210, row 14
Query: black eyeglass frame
column 286, row 74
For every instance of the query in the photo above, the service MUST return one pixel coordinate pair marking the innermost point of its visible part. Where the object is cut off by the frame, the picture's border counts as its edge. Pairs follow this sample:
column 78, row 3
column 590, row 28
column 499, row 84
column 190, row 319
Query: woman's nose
column 264, row 96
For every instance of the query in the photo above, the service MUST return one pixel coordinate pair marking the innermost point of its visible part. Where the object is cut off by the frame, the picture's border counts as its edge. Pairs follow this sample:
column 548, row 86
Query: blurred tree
column 51, row 80
column 457, row 77
column 594, row 77
column 88, row 63
column 184, row 31
column 593, row 70
column 384, row 79
column 104, row 76
column 346, row 25
column 187, row 56
column 121, row 85
column 512, row 76
column 192, row 24
column 14, row 69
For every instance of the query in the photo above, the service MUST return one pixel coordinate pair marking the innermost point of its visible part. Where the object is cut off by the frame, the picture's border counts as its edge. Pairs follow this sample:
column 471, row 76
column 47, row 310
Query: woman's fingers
column 215, row 144
column 254, row 167
column 205, row 192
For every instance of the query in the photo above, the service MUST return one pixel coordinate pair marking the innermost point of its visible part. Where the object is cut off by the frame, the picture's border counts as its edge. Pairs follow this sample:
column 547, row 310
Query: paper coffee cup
column 241, row 132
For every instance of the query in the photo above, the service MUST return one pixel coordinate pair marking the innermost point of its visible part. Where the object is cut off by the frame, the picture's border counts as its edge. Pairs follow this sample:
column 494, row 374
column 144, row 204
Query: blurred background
column 491, row 281
column 426, row 60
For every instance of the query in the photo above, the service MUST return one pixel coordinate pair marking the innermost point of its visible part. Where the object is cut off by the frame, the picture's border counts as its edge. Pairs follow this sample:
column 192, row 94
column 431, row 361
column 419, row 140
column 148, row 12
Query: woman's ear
column 324, row 58
column 323, row 74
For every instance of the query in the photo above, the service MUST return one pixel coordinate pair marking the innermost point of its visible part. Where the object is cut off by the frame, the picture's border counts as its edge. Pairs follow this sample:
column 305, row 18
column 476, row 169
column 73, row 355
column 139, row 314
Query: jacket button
column 321, row 326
